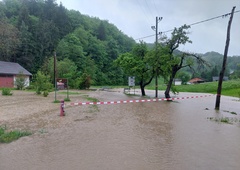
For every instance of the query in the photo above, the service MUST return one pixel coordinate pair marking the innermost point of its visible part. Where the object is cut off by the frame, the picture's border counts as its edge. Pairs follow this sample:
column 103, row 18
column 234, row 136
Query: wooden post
column 219, row 90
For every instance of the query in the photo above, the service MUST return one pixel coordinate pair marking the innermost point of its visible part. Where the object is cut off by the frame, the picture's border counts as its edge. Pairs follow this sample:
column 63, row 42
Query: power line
column 147, row 5
column 142, row 8
column 195, row 23
column 155, row 5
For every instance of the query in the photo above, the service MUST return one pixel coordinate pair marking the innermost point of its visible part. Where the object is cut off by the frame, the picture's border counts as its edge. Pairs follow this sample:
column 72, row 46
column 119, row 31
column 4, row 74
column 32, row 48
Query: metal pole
column 55, row 82
column 156, row 44
column 156, row 79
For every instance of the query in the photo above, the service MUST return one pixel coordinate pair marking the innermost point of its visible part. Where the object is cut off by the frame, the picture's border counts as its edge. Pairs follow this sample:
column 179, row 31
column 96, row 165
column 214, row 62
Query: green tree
column 25, row 55
column 178, row 60
column 236, row 73
column 70, row 47
column 65, row 69
column 84, row 82
column 136, row 63
column 184, row 76
column 101, row 32
column 42, row 83
column 30, row 30
column 9, row 40
column 20, row 81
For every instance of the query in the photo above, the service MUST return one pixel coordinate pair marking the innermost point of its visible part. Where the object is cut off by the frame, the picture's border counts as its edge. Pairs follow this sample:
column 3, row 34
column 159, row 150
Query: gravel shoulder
column 25, row 110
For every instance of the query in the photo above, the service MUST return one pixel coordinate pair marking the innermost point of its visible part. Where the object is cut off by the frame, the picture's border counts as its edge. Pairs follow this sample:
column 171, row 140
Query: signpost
column 131, row 82
column 62, row 84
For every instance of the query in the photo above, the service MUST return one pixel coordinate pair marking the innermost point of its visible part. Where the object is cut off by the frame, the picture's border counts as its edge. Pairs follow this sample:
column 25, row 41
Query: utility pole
column 155, row 28
column 219, row 90
column 54, row 75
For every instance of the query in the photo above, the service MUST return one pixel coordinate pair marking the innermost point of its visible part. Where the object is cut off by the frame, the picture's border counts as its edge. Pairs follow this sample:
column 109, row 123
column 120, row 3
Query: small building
column 196, row 80
column 9, row 71
column 225, row 78
column 177, row 82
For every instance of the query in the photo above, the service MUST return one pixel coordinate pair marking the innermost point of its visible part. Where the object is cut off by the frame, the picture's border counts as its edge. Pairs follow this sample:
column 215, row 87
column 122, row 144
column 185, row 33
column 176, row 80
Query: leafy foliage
column 42, row 83
column 177, row 60
column 136, row 63
column 20, row 81
column 7, row 137
column 6, row 92
column 84, row 81
column 32, row 30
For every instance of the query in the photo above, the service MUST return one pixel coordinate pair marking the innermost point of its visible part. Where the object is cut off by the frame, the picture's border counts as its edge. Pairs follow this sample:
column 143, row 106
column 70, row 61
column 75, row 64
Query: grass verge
column 7, row 137
column 229, row 88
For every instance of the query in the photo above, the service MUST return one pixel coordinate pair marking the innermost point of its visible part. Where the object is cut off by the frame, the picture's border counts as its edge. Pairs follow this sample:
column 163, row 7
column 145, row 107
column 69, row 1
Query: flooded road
column 177, row 135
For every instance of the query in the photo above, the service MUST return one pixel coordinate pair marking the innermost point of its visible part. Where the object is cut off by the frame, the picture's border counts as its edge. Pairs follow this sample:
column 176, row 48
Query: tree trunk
column 167, row 92
column 142, row 89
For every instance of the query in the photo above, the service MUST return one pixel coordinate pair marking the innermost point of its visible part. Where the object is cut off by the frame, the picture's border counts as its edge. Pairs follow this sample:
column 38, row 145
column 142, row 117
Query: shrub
column 20, row 81
column 42, row 84
column 13, row 135
column 2, row 131
column 6, row 92
column 45, row 93
column 7, row 137
column 67, row 99
column 84, row 81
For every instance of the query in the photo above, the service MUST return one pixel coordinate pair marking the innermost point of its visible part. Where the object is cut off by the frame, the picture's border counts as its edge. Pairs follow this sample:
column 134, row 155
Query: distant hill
column 216, row 59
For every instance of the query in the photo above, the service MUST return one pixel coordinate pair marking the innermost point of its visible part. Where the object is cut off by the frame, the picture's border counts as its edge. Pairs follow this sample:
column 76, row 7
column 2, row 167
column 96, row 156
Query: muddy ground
column 182, row 134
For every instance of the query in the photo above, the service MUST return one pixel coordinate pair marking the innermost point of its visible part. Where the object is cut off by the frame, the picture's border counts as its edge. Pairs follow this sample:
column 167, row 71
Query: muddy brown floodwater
column 163, row 135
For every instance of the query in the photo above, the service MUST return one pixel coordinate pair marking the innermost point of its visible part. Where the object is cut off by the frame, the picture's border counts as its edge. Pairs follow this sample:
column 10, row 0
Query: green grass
column 227, row 120
column 56, row 101
column 91, row 99
column 229, row 88
column 7, row 137
column 70, row 93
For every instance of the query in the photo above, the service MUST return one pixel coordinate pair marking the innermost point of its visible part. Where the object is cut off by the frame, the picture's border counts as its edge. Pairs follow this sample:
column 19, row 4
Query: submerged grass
column 7, row 137
column 70, row 93
column 91, row 99
column 227, row 120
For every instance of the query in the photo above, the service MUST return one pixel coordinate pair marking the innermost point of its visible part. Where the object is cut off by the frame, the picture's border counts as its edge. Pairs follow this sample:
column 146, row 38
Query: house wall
column 6, row 81
column 177, row 83
column 9, row 81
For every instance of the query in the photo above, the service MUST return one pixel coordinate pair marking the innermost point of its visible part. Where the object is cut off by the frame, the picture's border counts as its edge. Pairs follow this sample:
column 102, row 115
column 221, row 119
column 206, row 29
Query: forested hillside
column 31, row 30
column 215, row 61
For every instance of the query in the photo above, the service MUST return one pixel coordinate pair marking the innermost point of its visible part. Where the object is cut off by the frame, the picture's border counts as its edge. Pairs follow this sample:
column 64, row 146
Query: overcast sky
column 135, row 18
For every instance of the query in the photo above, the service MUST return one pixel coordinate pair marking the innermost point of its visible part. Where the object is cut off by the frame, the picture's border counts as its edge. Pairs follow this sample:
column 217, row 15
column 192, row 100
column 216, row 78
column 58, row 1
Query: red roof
column 196, row 80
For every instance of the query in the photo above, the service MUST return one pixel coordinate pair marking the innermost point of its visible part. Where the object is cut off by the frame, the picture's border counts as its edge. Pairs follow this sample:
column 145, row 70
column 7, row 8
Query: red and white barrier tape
column 135, row 101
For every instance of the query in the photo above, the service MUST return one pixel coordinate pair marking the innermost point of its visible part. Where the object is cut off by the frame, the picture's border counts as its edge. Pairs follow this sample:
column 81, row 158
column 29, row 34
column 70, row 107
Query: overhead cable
column 195, row 23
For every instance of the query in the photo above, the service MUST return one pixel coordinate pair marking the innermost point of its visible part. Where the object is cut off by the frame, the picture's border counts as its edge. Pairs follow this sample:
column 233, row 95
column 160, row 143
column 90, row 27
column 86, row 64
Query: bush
column 7, row 137
column 67, row 100
column 42, row 84
column 13, row 135
column 84, row 81
column 45, row 93
column 30, row 87
column 20, row 81
column 2, row 131
column 6, row 92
